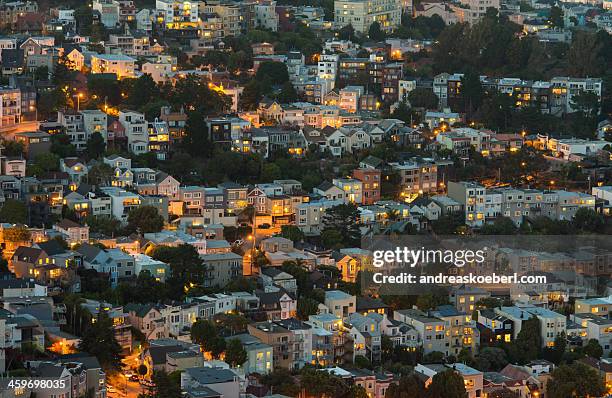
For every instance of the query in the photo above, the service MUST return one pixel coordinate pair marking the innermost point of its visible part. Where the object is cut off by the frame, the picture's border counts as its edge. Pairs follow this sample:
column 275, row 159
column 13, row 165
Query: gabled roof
column 272, row 298
column 69, row 162
column 51, row 247
column 325, row 185
column 139, row 309
column 28, row 254
column 89, row 251
column 66, row 223
column 373, row 161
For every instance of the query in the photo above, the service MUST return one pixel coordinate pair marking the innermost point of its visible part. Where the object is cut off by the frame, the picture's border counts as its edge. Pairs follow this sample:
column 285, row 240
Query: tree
column 166, row 386
column 184, row 262
column 61, row 146
column 249, row 100
column 12, row 148
column 448, row 224
column 204, row 333
column 95, row 146
column 593, row 349
column 270, row 172
column 46, row 162
column 491, row 359
column 429, row 301
column 323, row 384
column 287, row 93
column 409, row 386
column 241, row 284
column 423, row 98
column 108, row 226
column 306, row 307
column 145, row 219
column 331, row 238
column 196, row 143
column 555, row 354
column 16, row 234
column 588, row 220
column 556, row 17
column 230, row 323
column 527, row 345
column 434, row 357
column 274, row 71
column 235, row 354
column 402, row 112
column 471, row 93
column 144, row 289
column 3, row 263
column 584, row 55
column 447, row 384
column 575, row 380
column 292, row 233
column 194, row 94
column 343, row 219
column 84, row 19
column 500, row 226
column 14, row 212
column 347, row 33
column 143, row 91
column 99, row 340
column 100, row 174
column 375, row 33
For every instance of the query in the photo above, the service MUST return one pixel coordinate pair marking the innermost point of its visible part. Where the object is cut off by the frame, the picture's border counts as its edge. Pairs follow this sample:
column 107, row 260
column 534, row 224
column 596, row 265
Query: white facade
column 135, row 130
column 361, row 14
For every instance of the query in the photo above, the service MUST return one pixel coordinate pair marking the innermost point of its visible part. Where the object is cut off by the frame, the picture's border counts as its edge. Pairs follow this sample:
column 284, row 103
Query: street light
column 251, row 237
column 78, row 97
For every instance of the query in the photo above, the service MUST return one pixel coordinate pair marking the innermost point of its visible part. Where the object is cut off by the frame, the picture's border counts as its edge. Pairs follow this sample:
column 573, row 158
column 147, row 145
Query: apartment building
column 73, row 126
column 473, row 379
column 370, row 180
column 340, row 303
column 327, row 66
column 352, row 188
column 309, row 216
column 361, row 14
column 471, row 11
column 10, row 113
column 121, row 65
column 94, row 121
column 564, row 89
column 266, row 16
column 122, row 202
column 285, row 352
column 552, row 323
column 136, row 131
column 417, row 177
column 472, row 198
column 177, row 14
column 431, row 330
column 229, row 17
column 600, row 306
column 221, row 268
column 555, row 96
column 109, row 12
column 349, row 98
column 460, row 327
column 597, row 327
